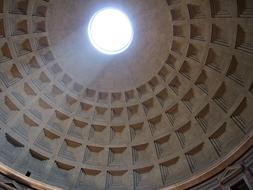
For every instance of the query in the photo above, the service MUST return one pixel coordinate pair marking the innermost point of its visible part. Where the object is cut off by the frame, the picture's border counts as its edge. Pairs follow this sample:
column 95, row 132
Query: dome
column 171, row 110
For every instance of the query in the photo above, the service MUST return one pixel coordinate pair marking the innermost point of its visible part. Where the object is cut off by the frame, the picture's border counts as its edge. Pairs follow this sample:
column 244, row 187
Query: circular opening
column 110, row 31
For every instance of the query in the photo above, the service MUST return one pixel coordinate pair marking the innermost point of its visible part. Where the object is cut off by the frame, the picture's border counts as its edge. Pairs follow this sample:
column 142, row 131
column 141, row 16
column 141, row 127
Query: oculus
column 110, row 31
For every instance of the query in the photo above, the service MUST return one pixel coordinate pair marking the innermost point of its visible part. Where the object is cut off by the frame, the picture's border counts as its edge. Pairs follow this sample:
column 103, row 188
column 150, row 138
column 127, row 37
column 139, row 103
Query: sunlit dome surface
column 110, row 31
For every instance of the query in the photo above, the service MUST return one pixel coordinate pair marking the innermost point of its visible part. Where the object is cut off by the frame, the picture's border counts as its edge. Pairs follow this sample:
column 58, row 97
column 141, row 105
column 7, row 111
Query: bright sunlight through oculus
column 110, row 31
